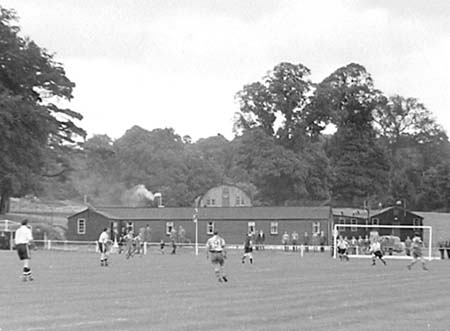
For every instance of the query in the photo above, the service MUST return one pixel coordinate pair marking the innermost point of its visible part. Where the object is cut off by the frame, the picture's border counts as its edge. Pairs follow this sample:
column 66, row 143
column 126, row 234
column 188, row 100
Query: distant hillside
column 46, row 214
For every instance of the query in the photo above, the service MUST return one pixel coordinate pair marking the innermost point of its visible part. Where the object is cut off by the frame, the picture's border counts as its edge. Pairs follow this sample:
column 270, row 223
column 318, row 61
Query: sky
column 179, row 64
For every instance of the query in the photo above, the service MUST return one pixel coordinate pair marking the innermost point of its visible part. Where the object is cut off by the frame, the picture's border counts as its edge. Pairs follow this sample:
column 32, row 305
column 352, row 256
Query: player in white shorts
column 103, row 241
column 23, row 239
column 375, row 249
column 215, row 248
column 416, row 246
column 342, row 249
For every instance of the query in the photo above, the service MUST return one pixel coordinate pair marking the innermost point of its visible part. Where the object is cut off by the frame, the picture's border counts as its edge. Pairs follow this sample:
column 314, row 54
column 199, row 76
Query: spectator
column 161, row 246
column 360, row 245
column 323, row 241
column 353, row 245
column 441, row 248
column 306, row 241
column 315, row 241
column 262, row 239
column 447, row 246
column 148, row 234
column 181, row 234
column 294, row 239
column 285, row 241
column 366, row 244
column 408, row 242
column 173, row 240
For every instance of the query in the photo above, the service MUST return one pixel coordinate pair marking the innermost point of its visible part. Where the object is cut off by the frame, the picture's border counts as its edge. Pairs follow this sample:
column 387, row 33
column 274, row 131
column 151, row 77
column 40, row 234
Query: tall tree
column 277, row 104
column 415, row 141
column 35, row 133
column 278, row 173
column 360, row 164
column 435, row 191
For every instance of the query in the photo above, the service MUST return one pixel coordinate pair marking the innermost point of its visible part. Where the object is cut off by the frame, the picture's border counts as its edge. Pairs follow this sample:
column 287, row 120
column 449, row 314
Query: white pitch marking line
column 71, row 325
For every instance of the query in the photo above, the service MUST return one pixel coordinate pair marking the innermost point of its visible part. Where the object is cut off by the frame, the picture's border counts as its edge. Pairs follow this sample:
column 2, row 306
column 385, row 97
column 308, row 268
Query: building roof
column 350, row 212
column 382, row 211
column 216, row 213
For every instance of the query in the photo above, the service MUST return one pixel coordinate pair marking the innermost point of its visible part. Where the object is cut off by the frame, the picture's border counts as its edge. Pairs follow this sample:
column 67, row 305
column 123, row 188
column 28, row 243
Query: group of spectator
column 444, row 246
column 293, row 242
column 358, row 246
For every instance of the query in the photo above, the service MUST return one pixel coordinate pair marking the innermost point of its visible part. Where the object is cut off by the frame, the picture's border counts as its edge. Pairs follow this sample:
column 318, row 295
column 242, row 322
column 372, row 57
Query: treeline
column 381, row 148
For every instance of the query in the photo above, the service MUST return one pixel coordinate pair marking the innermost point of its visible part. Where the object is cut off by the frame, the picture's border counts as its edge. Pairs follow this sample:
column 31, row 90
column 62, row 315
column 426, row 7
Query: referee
column 23, row 239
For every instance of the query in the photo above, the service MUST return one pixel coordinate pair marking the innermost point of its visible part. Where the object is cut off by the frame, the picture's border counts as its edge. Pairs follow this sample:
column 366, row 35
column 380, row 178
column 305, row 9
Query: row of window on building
column 212, row 202
column 81, row 227
column 373, row 221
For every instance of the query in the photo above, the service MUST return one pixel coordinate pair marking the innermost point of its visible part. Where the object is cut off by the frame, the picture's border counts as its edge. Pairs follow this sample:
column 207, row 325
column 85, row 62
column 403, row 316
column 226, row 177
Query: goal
column 393, row 239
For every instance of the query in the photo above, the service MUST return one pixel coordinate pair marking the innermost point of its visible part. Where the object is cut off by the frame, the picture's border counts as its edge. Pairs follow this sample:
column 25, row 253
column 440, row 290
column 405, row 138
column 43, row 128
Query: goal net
column 394, row 239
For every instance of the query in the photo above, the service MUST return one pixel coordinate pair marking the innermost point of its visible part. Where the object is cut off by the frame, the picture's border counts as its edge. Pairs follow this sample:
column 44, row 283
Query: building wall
column 234, row 231
column 398, row 216
column 94, row 222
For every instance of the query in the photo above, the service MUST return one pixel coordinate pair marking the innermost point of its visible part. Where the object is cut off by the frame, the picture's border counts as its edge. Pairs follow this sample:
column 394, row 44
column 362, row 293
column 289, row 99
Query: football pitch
column 280, row 291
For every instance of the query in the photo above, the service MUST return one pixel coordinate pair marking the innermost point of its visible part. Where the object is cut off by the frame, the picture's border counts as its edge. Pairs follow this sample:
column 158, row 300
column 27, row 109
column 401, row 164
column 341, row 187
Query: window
column 130, row 226
column 239, row 201
column 416, row 222
column 210, row 228
column 251, row 227
column 213, row 202
column 341, row 221
column 375, row 221
column 316, row 227
column 273, row 227
column 81, row 226
column 169, row 227
column 353, row 222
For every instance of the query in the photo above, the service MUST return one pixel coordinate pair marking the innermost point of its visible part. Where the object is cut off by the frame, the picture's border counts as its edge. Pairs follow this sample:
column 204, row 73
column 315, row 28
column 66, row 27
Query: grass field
column 280, row 291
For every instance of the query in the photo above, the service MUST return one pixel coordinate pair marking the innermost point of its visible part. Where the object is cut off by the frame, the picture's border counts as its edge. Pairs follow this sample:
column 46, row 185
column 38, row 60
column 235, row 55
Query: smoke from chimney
column 138, row 196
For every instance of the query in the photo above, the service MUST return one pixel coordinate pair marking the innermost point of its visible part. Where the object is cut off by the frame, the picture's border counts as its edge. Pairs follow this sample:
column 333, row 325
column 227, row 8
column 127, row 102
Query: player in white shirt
column 215, row 247
column 23, row 239
column 375, row 249
column 342, row 249
column 103, row 241
column 416, row 246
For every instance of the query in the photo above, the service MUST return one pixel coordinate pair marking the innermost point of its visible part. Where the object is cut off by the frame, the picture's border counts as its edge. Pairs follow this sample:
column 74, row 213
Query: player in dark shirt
column 248, row 249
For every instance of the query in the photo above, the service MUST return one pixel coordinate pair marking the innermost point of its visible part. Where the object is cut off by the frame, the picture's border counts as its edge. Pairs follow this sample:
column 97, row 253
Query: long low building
column 233, row 223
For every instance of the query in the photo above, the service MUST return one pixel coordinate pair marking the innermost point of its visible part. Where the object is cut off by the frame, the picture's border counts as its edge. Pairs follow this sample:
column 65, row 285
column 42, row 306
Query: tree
column 281, row 97
column 35, row 133
column 415, row 142
column 278, row 173
column 435, row 192
column 403, row 117
column 96, row 177
column 360, row 164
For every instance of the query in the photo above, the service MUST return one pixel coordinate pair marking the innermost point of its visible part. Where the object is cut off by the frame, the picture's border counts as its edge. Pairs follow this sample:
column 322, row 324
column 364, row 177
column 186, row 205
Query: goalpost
column 398, row 249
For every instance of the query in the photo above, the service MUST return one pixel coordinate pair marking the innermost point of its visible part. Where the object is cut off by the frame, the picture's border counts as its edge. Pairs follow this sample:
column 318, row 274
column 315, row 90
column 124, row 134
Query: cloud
column 167, row 63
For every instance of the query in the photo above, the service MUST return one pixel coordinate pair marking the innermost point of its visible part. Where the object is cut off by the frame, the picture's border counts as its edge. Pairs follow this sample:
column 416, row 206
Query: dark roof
column 378, row 212
column 214, row 213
